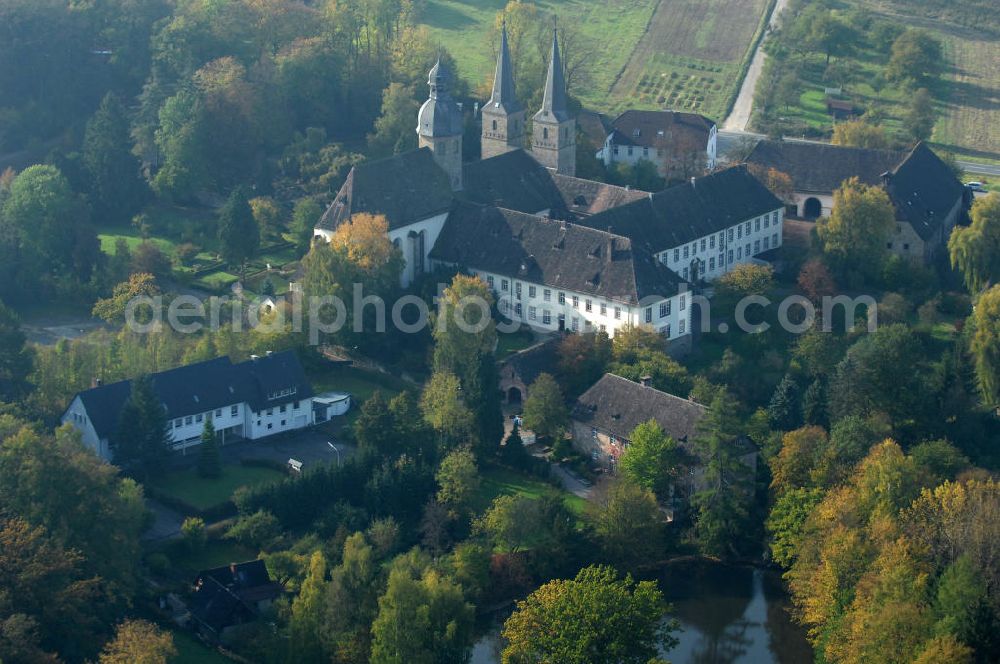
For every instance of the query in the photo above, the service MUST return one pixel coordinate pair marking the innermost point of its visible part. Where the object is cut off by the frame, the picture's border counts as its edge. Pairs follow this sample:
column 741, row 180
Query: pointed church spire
column 554, row 103
column 504, row 94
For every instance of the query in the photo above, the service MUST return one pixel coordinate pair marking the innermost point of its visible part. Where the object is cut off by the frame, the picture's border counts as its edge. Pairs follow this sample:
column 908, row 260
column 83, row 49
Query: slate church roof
column 689, row 211
column 562, row 255
column 821, row 168
column 617, row 406
column 405, row 188
column 205, row 386
column 516, row 181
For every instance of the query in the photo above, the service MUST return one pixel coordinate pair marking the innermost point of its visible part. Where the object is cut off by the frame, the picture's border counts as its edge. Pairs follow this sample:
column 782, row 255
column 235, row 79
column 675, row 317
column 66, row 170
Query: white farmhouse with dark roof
column 678, row 144
column 253, row 399
column 927, row 197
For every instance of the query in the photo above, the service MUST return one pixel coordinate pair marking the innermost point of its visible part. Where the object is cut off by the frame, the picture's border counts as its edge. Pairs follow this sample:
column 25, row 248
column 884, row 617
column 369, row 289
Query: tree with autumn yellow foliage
column 889, row 568
column 358, row 256
column 860, row 134
column 854, row 236
column 139, row 642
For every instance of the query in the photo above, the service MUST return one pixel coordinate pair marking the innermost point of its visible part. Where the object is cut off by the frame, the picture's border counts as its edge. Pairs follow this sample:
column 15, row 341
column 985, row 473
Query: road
column 739, row 117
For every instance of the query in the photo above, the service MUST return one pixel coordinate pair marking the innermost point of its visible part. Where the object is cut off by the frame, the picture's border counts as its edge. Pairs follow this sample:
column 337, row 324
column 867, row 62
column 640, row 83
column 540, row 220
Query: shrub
column 257, row 530
column 186, row 252
column 193, row 533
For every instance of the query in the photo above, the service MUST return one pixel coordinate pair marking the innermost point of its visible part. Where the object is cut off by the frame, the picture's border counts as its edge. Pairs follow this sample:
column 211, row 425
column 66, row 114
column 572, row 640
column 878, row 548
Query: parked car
column 975, row 186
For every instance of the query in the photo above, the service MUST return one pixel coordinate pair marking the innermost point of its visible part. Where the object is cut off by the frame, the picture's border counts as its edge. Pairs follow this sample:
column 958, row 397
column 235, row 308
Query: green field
column 967, row 96
column 359, row 382
column 192, row 651
column 680, row 54
column 203, row 493
column 611, row 29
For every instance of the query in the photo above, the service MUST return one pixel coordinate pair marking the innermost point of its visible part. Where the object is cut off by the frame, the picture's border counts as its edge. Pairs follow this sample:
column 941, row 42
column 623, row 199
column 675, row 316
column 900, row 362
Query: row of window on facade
column 574, row 323
column 736, row 233
column 588, row 304
column 740, row 253
column 645, row 151
column 234, row 411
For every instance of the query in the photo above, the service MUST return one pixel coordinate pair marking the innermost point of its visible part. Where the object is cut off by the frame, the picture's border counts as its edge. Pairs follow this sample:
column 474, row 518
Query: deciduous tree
column 545, row 410
column 652, row 459
column 855, row 234
column 139, row 642
column 975, row 249
column 596, row 618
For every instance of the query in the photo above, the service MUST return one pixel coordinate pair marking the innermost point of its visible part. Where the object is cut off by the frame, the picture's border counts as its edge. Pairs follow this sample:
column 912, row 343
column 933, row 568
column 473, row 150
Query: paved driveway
column 310, row 446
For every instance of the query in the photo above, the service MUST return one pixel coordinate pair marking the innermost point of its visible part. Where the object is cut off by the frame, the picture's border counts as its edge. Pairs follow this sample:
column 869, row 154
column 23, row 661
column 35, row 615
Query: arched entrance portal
column 812, row 209
column 513, row 397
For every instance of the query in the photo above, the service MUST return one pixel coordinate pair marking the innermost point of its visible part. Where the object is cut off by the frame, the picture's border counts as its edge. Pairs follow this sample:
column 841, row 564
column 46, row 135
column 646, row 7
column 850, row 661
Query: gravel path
column 739, row 117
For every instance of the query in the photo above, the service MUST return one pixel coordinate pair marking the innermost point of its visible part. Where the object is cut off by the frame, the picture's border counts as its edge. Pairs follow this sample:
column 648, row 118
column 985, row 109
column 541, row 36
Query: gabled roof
column 589, row 197
column 554, row 106
column 228, row 595
column 595, row 126
column 689, row 211
column 924, row 190
column 617, row 406
column 516, row 181
column 533, row 361
column 513, row 180
column 559, row 254
column 405, row 188
column 662, row 129
column 205, row 386
column 821, row 168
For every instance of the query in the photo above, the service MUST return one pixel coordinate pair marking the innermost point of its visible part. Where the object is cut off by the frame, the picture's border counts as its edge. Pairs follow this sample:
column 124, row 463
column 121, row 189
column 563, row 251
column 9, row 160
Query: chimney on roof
column 254, row 358
column 886, row 178
column 269, row 353
column 693, row 180
column 96, row 382
column 645, row 381
column 611, row 248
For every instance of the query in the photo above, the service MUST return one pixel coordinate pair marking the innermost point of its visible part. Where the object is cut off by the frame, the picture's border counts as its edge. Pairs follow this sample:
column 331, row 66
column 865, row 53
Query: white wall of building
column 541, row 306
column 720, row 252
column 76, row 415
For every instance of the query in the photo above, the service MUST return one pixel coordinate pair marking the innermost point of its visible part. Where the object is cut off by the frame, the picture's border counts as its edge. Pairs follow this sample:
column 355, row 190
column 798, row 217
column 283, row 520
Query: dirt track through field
column 739, row 116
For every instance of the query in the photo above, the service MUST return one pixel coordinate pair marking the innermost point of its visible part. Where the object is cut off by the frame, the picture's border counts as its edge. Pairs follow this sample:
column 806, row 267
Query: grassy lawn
column 501, row 481
column 359, row 382
column 217, row 552
column 508, row 344
column 192, row 651
column 109, row 236
column 203, row 493
column 610, row 29
column 685, row 56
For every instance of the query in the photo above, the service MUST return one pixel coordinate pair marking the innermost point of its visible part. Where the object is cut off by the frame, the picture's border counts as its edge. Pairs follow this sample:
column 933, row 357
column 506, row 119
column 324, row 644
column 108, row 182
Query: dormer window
column 282, row 393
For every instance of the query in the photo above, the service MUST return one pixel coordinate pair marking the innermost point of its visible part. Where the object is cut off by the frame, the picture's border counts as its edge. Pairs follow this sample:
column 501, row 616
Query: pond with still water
column 728, row 615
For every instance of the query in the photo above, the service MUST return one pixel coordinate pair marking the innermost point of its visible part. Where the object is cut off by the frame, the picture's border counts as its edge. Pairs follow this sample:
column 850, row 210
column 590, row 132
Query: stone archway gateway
column 812, row 209
column 514, row 396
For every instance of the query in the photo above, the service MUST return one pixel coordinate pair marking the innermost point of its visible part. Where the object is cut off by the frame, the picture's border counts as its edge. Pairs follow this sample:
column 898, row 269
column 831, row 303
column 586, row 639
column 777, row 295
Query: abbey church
column 560, row 252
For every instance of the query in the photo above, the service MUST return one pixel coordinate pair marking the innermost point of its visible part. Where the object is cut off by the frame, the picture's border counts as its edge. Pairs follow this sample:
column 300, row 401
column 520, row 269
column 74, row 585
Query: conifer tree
column 208, row 460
